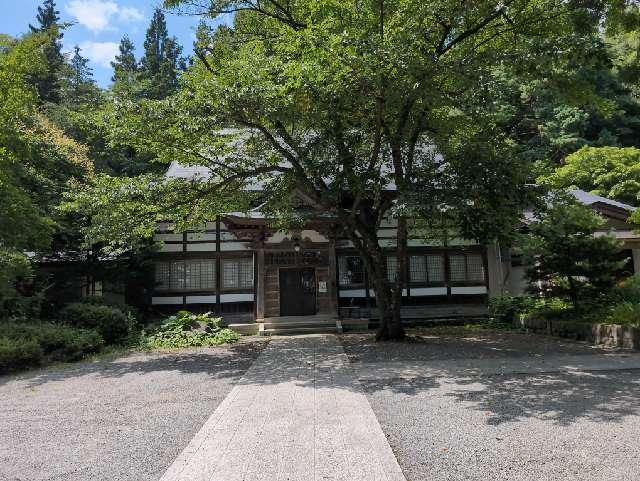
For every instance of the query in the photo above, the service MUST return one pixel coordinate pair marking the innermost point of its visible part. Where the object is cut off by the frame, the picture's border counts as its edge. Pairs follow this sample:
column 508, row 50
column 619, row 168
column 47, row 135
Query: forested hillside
column 528, row 90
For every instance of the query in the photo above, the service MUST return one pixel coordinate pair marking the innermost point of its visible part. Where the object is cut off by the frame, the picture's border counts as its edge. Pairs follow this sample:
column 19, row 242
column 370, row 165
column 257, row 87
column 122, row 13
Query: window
column 475, row 268
column 163, row 275
column 466, row 268
column 237, row 273
column 435, row 267
column 190, row 274
column 350, row 270
column 426, row 269
column 392, row 268
column 200, row 274
column 457, row 268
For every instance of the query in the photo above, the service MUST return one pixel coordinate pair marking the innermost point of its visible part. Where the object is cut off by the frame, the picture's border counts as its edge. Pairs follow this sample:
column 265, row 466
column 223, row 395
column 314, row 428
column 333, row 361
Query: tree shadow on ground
column 554, row 394
column 460, row 343
column 559, row 397
column 219, row 362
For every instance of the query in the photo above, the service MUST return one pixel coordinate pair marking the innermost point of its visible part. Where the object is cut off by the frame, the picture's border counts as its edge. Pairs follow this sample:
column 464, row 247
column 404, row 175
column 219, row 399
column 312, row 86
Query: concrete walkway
column 297, row 414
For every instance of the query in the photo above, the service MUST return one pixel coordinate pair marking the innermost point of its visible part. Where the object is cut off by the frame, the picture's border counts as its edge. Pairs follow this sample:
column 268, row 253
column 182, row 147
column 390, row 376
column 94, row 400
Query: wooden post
column 332, row 285
column 218, row 268
column 260, row 290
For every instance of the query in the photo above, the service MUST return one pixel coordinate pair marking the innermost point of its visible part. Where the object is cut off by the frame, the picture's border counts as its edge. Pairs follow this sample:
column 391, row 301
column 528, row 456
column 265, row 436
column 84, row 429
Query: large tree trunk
column 388, row 295
column 390, row 328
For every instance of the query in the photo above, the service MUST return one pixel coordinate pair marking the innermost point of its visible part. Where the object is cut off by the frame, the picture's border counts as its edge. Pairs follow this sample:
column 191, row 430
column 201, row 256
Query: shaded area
column 458, row 342
column 124, row 419
column 130, row 418
column 557, row 424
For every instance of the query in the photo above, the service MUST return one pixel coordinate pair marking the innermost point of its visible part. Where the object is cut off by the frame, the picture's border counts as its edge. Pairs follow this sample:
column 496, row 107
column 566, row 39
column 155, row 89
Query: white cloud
column 130, row 14
column 100, row 53
column 96, row 15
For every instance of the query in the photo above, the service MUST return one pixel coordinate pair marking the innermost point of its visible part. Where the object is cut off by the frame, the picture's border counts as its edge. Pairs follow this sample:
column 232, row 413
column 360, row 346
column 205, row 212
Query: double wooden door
column 297, row 292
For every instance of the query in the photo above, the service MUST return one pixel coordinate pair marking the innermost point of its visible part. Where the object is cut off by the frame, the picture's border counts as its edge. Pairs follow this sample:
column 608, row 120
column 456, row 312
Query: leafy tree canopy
column 611, row 172
column 36, row 157
column 363, row 109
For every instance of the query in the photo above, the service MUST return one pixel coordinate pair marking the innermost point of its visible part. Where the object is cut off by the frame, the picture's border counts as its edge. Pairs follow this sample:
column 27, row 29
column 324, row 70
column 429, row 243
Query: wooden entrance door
column 297, row 292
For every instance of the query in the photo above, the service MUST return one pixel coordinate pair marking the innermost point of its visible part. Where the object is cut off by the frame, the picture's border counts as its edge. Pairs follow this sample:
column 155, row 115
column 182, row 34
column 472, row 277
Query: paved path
column 295, row 415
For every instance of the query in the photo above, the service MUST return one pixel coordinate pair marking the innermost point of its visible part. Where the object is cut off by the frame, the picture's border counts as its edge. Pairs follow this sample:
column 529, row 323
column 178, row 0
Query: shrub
column 508, row 309
column 627, row 290
column 55, row 342
column 112, row 324
column 62, row 343
column 190, row 330
column 626, row 313
column 105, row 301
column 19, row 354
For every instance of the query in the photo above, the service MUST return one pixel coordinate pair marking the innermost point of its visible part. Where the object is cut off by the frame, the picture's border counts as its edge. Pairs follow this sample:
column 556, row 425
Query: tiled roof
column 588, row 198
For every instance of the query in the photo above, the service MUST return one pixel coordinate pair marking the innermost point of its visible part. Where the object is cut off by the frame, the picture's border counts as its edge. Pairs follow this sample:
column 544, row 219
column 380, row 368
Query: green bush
column 509, row 309
column 625, row 313
column 62, row 343
column 186, row 329
column 104, row 301
column 112, row 324
column 627, row 291
column 55, row 342
column 19, row 354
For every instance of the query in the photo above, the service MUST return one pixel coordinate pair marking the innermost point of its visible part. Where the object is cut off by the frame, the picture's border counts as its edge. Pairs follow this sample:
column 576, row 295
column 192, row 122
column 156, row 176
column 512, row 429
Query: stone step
column 299, row 325
column 290, row 331
column 294, row 324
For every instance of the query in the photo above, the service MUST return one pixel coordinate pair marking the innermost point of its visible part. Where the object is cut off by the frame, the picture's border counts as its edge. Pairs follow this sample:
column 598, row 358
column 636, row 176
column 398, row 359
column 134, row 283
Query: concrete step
column 299, row 330
column 304, row 325
column 288, row 325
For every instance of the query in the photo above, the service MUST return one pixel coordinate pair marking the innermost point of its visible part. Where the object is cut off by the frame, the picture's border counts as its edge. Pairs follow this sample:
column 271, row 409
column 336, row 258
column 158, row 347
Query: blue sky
column 98, row 27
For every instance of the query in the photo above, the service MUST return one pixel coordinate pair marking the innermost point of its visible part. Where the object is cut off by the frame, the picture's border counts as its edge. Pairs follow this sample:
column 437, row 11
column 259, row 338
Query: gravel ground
column 555, row 425
column 121, row 420
column 454, row 342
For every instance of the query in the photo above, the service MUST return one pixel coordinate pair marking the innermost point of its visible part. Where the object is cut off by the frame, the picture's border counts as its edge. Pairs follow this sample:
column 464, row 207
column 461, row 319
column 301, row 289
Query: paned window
column 466, row 268
column 435, row 267
column 237, row 273
column 457, row 268
column 350, row 270
column 475, row 268
column 200, row 274
column 426, row 269
column 190, row 274
column 392, row 268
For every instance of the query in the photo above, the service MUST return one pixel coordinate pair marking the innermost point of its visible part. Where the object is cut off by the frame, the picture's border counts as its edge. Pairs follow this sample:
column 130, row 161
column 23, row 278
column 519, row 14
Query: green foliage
column 19, row 354
column 79, row 86
column 509, row 309
column 47, row 80
column 186, row 329
column 627, row 291
column 625, row 313
column 140, row 200
column 611, row 172
column 161, row 64
column 36, row 159
column 551, row 308
column 24, row 345
column 112, row 324
column 565, row 257
column 126, row 72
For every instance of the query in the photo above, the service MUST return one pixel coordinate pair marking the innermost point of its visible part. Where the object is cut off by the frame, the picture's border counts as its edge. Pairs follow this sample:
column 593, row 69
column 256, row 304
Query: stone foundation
column 608, row 335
